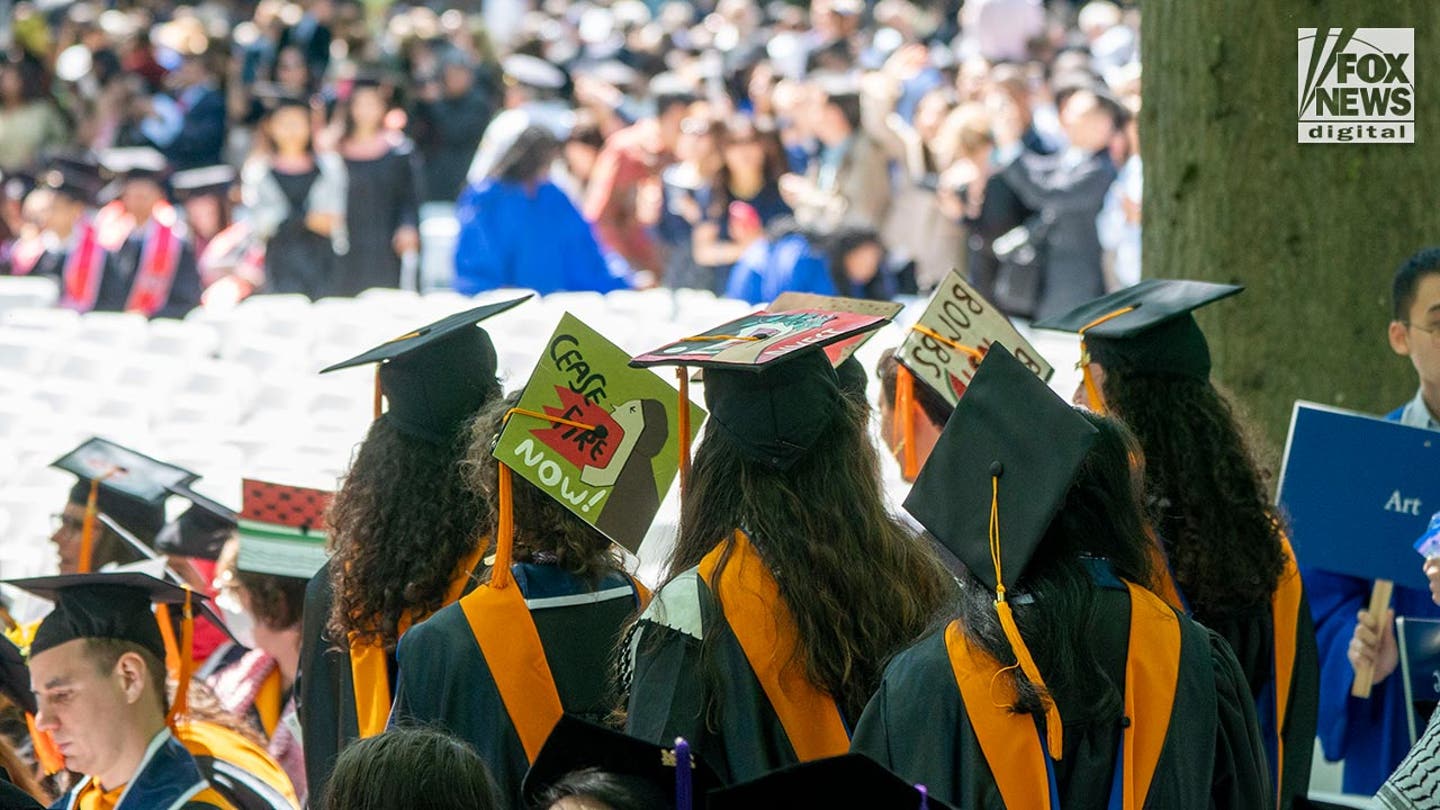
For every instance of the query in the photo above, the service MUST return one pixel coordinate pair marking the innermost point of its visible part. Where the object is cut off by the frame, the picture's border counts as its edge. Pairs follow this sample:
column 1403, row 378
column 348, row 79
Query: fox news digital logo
column 1357, row 85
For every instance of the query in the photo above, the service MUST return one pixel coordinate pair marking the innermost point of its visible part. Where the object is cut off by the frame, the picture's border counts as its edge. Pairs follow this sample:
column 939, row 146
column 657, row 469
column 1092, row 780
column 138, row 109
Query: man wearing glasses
column 1371, row 735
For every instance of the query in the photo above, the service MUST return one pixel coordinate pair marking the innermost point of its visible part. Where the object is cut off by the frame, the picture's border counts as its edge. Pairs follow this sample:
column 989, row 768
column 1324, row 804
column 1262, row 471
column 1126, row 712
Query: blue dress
column 512, row 235
column 1372, row 735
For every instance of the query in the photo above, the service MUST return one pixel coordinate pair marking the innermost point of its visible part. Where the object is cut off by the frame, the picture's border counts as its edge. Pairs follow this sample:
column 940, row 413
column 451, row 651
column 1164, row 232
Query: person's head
column 98, row 697
column 273, row 604
column 838, row 116
column 528, row 159
column 594, row 789
column 856, row 255
column 417, row 768
column 1008, row 85
column 930, row 411
column 205, row 214
column 288, row 129
column 62, row 211
column 673, row 97
column 194, row 70
column 751, row 149
column 457, row 77
column 700, row 135
column 139, row 519
column 1097, row 17
column 966, row 134
column 365, row 110
column 1088, row 121
column 21, row 81
column 930, row 114
column 543, row 526
column 1102, row 516
column 292, row 72
column 400, row 524
column 857, row 582
column 139, row 194
column 582, row 148
column 1415, row 324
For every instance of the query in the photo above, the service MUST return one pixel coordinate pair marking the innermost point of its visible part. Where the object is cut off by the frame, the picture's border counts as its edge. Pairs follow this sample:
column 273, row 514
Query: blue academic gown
column 1372, row 736
column 771, row 267
column 513, row 235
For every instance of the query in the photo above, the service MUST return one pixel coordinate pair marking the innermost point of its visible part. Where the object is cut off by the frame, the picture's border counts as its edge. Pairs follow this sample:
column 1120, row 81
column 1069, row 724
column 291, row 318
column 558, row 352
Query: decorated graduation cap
column 282, row 529
column 845, row 349
column 1016, row 445
column 944, row 349
column 201, row 530
column 576, row 745
column 115, row 605
column 768, row 383
column 849, row 780
column 201, row 181
column 600, row 437
column 436, row 377
column 125, row 484
column 1144, row 329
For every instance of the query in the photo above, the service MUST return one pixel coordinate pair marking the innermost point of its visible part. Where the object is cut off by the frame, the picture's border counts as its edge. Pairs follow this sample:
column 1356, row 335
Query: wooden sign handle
column 1379, row 602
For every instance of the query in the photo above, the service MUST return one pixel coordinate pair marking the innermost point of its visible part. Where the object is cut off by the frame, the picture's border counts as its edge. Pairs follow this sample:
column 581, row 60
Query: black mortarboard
column 69, row 185
column 998, row 474
column 15, row 677
column 132, row 486
column 438, row 376
column 204, row 180
column 201, row 530
column 576, row 745
column 848, row 780
column 113, row 605
column 1146, row 328
column 150, row 563
column 135, row 162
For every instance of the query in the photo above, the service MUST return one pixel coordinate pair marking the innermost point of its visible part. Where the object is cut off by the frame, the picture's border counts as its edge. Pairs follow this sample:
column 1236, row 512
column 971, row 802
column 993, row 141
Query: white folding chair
column 50, row 320
column 182, row 340
column 115, row 329
column 28, row 291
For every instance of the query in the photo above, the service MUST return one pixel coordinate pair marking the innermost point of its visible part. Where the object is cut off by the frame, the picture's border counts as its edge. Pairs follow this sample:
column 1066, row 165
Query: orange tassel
column 379, row 404
column 87, row 527
column 500, row 576
column 1092, row 391
column 684, row 420
column 47, row 753
column 181, row 704
column 905, row 422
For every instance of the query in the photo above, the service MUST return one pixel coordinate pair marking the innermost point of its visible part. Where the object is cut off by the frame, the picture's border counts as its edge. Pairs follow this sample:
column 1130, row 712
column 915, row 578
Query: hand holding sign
column 1372, row 647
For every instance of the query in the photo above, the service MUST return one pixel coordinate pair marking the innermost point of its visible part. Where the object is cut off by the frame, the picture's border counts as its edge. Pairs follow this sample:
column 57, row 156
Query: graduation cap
column 529, row 71
column 1144, row 329
column 204, row 180
column 114, row 605
column 576, row 745
column 1014, row 443
column 849, row 780
column 942, row 351
column 201, row 530
column 69, row 185
column 769, row 384
column 125, row 484
column 153, row 563
column 282, row 529
column 438, row 376
column 135, row 163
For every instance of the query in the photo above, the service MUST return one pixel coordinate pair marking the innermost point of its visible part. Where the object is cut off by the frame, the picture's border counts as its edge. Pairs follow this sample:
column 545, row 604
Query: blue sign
column 1419, row 642
column 1357, row 491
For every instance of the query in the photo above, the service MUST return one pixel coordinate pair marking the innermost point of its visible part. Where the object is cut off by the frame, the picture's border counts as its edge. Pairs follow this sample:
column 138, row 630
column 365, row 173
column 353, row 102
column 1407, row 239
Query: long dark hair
column 859, row 585
column 528, row 157
column 1206, row 494
column 543, row 526
column 742, row 128
column 400, row 524
column 1102, row 516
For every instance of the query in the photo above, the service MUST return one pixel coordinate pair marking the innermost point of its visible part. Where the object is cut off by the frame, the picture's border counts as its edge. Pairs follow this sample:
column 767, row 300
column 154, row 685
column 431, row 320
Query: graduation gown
column 723, row 706
column 1253, row 636
column 325, row 685
column 168, row 779
column 917, row 725
column 1370, row 735
column 240, row 770
column 446, row 681
column 123, row 266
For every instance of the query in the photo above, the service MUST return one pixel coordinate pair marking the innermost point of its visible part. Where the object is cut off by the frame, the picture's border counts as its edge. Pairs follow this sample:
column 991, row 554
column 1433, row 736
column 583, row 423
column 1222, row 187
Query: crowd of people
column 1087, row 603
column 849, row 148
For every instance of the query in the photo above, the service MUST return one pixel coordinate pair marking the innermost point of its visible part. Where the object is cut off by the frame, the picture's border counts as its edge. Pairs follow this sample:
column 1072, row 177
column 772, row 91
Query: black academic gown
column 669, row 691
column 917, row 726
column 324, row 689
column 123, row 264
column 444, row 680
column 1251, row 636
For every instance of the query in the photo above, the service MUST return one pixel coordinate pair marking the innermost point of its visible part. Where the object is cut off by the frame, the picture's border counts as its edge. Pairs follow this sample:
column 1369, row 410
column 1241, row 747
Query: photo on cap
column 614, row 472
column 759, row 339
column 959, row 321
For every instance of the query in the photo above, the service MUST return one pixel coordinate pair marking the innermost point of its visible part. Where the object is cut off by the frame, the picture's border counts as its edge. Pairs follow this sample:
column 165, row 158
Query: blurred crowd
column 159, row 156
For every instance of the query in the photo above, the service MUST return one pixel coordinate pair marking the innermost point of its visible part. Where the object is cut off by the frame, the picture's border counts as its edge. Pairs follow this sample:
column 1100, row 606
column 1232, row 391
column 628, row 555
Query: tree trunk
column 1314, row 231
